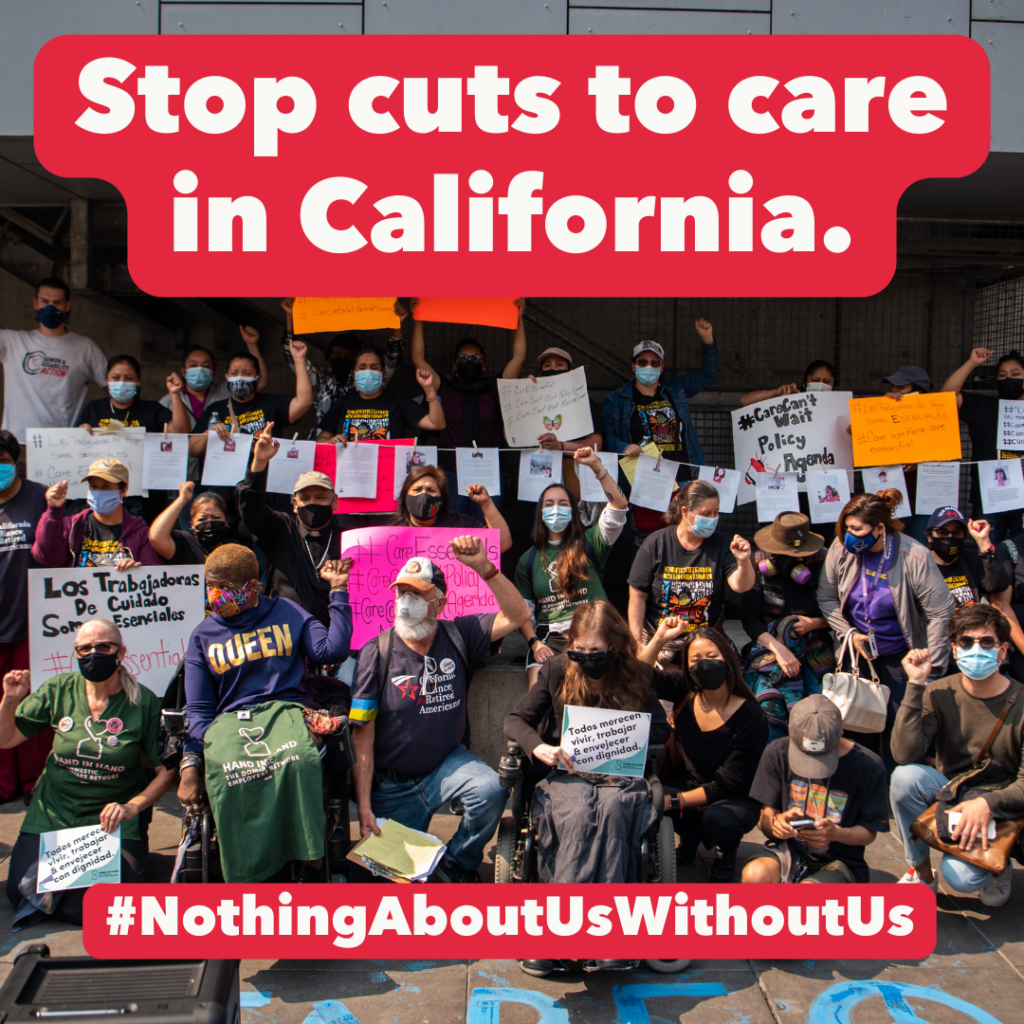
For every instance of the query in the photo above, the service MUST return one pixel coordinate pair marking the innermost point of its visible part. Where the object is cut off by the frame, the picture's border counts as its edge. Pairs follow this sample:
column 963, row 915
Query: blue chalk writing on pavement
column 629, row 999
column 485, row 1005
column 836, row 1004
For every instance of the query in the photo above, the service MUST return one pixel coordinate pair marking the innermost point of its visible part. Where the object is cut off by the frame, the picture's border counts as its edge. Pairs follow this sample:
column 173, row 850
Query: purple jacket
column 59, row 539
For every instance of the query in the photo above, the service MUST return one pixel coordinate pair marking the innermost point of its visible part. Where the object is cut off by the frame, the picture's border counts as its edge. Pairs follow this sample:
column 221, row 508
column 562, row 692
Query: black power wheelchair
column 201, row 861
column 515, row 856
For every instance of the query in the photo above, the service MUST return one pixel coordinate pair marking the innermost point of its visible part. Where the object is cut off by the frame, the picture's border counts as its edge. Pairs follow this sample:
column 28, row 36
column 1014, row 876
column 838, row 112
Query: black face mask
column 210, row 533
column 423, row 506
column 550, row 373
column 947, row 548
column 341, row 368
column 469, row 373
column 709, row 673
column 314, row 517
column 98, row 667
column 1010, row 387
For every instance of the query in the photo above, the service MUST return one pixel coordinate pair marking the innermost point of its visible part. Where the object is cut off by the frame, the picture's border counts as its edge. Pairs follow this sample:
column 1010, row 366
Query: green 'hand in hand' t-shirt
column 93, row 763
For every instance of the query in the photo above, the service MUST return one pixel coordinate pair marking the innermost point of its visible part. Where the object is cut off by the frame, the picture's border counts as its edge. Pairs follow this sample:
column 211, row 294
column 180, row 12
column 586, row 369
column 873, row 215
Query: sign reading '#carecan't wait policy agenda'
column 267, row 163
column 156, row 607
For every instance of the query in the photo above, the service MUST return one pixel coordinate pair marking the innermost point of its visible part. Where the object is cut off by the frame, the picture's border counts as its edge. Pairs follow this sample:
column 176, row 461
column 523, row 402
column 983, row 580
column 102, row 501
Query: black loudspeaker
column 81, row 990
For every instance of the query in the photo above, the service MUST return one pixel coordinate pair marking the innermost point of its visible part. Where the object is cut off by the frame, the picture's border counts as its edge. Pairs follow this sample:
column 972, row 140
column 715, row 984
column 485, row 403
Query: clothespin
column 475, row 447
column 232, row 419
column 296, row 437
column 414, row 440
column 775, row 473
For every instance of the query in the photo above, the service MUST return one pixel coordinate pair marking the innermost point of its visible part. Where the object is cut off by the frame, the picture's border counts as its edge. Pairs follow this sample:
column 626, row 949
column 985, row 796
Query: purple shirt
column 871, row 600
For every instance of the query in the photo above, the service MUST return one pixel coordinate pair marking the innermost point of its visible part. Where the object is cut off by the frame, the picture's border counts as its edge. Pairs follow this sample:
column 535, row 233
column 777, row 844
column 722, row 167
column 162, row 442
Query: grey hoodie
column 922, row 599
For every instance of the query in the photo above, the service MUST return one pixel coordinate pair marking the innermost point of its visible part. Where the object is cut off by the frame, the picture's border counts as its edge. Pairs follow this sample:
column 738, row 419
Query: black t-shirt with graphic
column 420, row 712
column 655, row 418
column 101, row 545
column 141, row 413
column 856, row 794
column 252, row 416
column 690, row 584
column 374, row 419
column 18, row 520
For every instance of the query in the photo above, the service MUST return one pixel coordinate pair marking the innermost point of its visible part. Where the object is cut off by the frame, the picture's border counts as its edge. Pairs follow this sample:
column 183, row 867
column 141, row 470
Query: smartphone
column 799, row 823
column 870, row 648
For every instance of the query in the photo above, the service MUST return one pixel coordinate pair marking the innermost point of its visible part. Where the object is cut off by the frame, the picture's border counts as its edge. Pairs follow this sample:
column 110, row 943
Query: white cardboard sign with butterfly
column 558, row 405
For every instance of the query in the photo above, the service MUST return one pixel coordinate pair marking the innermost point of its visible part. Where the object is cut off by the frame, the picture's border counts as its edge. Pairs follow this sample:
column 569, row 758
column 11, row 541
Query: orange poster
column 918, row 428
column 485, row 312
column 311, row 316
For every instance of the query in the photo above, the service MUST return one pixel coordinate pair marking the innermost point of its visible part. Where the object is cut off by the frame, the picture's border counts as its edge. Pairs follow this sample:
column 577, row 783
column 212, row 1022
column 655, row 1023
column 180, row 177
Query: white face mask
column 817, row 385
column 411, row 610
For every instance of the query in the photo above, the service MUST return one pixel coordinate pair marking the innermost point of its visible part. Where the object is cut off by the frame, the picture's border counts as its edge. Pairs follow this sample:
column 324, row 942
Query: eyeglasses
column 965, row 643
column 649, row 362
column 594, row 657
column 86, row 649
column 463, row 357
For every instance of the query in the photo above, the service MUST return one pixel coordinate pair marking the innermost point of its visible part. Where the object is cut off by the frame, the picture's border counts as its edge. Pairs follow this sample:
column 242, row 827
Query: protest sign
column 164, row 461
column 480, row 311
column 917, row 428
column 155, row 607
column 325, row 460
column 478, row 466
column 1002, row 486
column 379, row 552
column 590, row 489
column 1011, row 425
column 312, row 315
column 408, row 460
column 726, row 482
column 654, row 480
column 226, row 461
column 558, row 405
column 606, row 742
column 74, row 858
column 776, row 493
column 54, row 454
column 352, row 473
column 827, row 495
column 880, row 478
column 938, row 484
column 538, row 470
column 791, row 435
column 292, row 459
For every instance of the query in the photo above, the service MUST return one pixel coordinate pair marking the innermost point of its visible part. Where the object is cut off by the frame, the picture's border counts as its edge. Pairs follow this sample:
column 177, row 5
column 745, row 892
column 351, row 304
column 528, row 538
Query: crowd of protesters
column 926, row 611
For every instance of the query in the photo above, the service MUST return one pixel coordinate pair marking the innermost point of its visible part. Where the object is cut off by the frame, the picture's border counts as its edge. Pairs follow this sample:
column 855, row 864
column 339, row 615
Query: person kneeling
column 834, row 793
column 251, row 719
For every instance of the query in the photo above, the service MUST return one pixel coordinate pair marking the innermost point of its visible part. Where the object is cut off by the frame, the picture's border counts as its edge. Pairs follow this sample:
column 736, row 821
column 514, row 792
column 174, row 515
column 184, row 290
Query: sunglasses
column 462, row 357
column 965, row 643
column 86, row 649
column 594, row 657
column 649, row 362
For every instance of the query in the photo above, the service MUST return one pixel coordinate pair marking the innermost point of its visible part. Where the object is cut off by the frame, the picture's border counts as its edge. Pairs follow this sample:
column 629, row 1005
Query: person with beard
column 299, row 543
column 472, row 410
column 970, row 574
column 409, row 709
column 718, row 735
column 208, row 519
column 335, row 380
column 423, row 501
column 589, row 827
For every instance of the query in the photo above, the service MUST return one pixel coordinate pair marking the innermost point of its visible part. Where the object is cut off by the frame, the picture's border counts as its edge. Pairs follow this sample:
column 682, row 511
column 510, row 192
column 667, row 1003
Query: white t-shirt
column 45, row 378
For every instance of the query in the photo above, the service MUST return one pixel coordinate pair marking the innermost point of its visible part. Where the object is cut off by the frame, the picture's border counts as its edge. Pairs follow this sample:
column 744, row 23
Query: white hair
column 129, row 683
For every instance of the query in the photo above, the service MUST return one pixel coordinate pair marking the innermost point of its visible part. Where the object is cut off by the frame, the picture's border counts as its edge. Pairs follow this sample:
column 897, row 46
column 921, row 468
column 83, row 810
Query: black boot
column 539, row 968
column 723, row 867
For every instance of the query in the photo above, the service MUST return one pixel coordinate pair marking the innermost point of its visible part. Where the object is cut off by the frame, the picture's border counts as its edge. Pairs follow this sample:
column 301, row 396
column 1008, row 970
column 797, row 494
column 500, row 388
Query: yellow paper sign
column 628, row 463
column 918, row 428
column 311, row 316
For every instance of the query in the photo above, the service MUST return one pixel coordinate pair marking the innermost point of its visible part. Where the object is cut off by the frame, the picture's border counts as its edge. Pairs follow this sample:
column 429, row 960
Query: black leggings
column 723, row 823
column 134, row 868
column 890, row 673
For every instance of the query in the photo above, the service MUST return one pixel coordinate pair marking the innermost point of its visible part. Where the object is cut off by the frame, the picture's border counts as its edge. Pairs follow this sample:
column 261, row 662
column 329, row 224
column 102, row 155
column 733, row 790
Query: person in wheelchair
column 251, row 719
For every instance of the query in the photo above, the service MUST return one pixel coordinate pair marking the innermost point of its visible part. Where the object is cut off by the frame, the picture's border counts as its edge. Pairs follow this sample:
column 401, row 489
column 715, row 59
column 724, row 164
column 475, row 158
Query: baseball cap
column 560, row 352
column 312, row 480
column 649, row 346
column 422, row 574
column 108, row 469
column 911, row 375
column 946, row 514
column 815, row 729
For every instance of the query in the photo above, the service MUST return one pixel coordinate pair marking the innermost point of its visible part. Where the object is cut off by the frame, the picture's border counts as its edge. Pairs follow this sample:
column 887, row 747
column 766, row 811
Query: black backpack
column 386, row 645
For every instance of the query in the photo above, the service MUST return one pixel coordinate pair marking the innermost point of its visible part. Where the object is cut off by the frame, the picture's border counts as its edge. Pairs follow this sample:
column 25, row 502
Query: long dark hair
column 873, row 509
column 401, row 516
column 733, row 681
column 627, row 686
column 571, row 563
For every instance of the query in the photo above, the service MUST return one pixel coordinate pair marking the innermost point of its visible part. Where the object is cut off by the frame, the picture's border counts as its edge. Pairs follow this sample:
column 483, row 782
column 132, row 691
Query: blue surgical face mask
column 556, row 517
column 52, row 317
column 977, row 663
column 122, row 390
column 648, row 374
column 368, row 381
column 704, row 526
column 6, row 475
column 858, row 545
column 198, row 377
column 104, row 502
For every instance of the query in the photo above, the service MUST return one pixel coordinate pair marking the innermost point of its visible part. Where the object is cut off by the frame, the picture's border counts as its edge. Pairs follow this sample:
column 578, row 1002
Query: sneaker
column 452, row 873
column 539, row 968
column 913, row 878
column 997, row 892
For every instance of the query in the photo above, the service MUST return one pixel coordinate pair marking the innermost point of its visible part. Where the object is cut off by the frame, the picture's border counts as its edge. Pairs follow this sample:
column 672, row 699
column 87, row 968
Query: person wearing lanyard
column 886, row 590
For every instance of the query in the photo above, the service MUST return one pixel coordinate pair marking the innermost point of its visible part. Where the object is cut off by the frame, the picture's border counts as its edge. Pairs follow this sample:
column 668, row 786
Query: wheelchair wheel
column 667, row 966
column 505, row 851
column 665, row 854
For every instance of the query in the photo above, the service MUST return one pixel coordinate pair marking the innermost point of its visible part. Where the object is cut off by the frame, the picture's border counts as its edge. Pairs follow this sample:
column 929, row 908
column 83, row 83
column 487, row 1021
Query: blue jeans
column 461, row 776
column 460, row 503
column 912, row 790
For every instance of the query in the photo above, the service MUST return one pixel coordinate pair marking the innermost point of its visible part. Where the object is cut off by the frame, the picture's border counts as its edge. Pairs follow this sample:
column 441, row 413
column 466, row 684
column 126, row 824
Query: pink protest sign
column 379, row 552
column 325, row 461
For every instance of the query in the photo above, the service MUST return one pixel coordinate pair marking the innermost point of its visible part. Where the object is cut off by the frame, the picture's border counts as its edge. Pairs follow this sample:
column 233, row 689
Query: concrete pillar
column 80, row 250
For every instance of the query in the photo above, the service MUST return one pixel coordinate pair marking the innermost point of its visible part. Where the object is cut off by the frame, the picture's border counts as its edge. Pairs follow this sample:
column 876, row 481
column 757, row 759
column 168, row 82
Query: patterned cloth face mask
column 227, row 603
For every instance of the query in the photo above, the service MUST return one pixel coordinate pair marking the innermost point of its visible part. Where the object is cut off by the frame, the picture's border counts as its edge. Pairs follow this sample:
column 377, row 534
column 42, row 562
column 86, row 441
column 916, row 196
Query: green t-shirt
column 541, row 587
column 92, row 763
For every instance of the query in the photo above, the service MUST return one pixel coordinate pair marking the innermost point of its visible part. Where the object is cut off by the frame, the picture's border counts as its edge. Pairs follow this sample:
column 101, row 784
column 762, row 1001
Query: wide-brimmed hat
column 790, row 534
